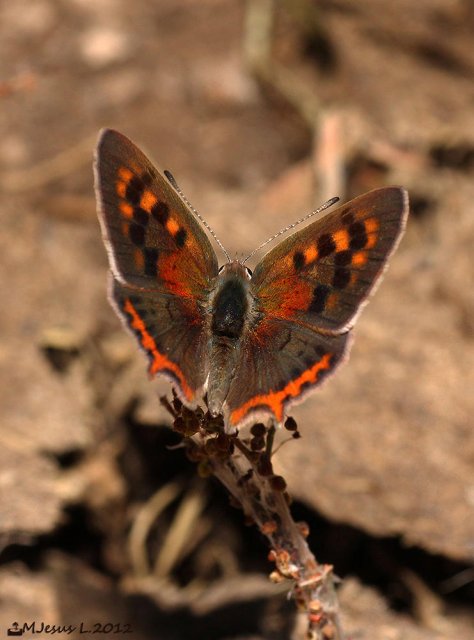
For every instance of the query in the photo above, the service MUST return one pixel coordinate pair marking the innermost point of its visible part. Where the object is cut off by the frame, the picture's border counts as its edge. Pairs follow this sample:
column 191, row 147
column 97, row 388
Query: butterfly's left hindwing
column 280, row 362
column 162, row 263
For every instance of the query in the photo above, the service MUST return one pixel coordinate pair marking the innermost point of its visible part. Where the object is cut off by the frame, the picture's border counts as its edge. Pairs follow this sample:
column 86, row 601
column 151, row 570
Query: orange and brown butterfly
column 254, row 343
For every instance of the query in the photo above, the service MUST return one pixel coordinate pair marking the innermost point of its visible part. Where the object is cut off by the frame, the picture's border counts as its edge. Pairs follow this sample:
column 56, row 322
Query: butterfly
column 252, row 343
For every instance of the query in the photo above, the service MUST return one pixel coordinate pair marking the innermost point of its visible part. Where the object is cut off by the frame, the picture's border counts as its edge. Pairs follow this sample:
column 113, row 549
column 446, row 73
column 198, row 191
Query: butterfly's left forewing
column 162, row 262
column 308, row 291
column 320, row 276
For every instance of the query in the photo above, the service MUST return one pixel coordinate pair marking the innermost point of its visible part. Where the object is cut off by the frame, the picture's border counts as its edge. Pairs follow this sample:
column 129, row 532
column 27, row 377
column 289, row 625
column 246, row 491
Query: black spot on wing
column 134, row 190
column 318, row 301
column 140, row 216
column 151, row 258
column 358, row 235
column 326, row 245
column 298, row 260
column 180, row 237
column 137, row 234
column 342, row 277
column 343, row 258
column 160, row 211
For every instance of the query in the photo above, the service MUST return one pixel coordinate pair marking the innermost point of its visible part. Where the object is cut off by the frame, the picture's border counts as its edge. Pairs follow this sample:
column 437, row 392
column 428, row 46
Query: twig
column 244, row 467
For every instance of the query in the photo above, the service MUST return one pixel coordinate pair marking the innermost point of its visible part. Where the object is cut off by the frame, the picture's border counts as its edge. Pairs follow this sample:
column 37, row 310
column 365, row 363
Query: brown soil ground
column 353, row 95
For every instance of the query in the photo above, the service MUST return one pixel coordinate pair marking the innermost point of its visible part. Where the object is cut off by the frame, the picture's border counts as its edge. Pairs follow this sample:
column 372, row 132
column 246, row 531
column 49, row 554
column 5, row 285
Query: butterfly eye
column 221, row 268
column 249, row 272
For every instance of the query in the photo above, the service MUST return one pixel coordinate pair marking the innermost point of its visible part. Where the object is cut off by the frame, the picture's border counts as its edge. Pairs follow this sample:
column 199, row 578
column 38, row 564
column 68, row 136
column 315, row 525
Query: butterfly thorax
column 230, row 303
column 231, row 308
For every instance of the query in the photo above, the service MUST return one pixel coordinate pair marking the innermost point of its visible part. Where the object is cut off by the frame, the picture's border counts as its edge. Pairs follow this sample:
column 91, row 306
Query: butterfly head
column 235, row 268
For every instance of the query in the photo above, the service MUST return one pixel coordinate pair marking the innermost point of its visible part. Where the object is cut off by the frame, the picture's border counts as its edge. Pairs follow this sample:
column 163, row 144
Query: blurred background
column 262, row 110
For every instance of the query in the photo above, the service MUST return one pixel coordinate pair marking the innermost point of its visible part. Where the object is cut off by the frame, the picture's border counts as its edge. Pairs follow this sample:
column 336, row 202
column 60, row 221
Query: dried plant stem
column 313, row 588
column 243, row 465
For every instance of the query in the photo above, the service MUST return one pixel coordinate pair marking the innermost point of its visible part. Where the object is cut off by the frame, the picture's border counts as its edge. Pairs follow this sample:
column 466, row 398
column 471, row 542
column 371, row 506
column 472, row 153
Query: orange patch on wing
column 125, row 228
column 359, row 258
column 173, row 274
column 289, row 298
column 139, row 259
column 310, row 254
column 160, row 361
column 371, row 228
column 172, row 226
column 126, row 209
column 371, row 225
column 341, row 238
column 121, row 188
column 147, row 201
column 274, row 400
column 125, row 174
column 371, row 241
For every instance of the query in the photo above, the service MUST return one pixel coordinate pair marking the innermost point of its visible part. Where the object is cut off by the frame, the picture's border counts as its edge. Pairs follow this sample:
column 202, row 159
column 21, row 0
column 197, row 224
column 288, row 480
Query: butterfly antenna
column 175, row 185
column 324, row 206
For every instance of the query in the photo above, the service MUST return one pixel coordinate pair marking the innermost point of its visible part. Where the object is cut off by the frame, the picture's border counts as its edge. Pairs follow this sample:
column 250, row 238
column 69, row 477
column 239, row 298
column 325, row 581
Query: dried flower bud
column 272, row 555
column 290, row 424
column 276, row 577
column 258, row 429
column 257, row 443
column 278, row 483
column 303, row 528
column 269, row 527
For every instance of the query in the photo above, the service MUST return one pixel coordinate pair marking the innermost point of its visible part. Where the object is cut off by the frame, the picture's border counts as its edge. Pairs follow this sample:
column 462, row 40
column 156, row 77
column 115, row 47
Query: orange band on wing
column 160, row 361
column 275, row 400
